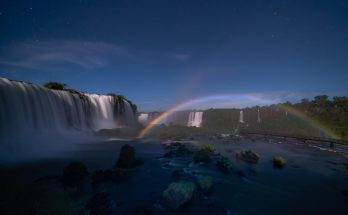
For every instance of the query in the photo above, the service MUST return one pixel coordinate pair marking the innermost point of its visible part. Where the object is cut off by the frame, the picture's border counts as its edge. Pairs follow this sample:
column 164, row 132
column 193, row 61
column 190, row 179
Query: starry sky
column 159, row 53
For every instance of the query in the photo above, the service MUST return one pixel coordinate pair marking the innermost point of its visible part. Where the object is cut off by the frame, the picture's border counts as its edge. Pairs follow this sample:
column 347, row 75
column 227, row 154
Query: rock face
column 74, row 173
column 248, row 156
column 178, row 193
column 127, row 158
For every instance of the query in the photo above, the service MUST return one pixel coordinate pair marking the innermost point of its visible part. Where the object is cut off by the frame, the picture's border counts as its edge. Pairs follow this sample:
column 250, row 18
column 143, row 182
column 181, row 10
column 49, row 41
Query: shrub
column 54, row 86
column 248, row 156
column 279, row 161
column 203, row 153
column 206, row 147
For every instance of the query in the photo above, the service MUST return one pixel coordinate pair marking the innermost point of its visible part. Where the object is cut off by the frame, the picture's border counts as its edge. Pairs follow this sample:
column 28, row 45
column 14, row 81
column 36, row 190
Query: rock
column 248, row 156
column 74, row 173
column 126, row 158
column 178, row 193
column 279, row 161
column 205, row 182
column 100, row 204
column 224, row 164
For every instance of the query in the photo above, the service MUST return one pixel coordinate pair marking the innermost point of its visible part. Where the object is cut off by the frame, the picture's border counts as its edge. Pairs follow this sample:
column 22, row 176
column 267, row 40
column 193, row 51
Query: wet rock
column 127, row 158
column 224, row 164
column 248, row 156
column 74, row 173
column 100, row 204
column 178, row 193
column 279, row 162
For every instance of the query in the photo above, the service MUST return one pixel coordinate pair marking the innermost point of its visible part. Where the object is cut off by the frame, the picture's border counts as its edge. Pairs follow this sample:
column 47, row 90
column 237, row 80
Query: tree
column 54, row 86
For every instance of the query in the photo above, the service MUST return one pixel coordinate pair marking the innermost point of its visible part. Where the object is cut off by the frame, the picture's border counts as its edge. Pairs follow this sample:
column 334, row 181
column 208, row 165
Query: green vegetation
column 54, row 85
column 224, row 164
column 279, row 118
column 279, row 161
column 74, row 173
column 206, row 147
column 178, row 193
column 176, row 131
column 248, row 156
column 203, row 153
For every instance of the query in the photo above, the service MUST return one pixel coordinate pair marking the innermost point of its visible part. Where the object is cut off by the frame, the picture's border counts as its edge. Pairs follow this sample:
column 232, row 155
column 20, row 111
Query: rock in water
column 178, row 193
column 126, row 158
column 74, row 173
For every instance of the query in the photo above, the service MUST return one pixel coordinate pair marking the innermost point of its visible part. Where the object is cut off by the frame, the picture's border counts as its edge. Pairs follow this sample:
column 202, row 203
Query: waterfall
column 143, row 118
column 258, row 116
column 195, row 119
column 241, row 120
column 30, row 108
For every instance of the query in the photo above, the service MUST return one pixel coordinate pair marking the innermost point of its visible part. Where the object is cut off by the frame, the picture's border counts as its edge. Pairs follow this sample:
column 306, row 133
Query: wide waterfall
column 195, row 119
column 31, row 108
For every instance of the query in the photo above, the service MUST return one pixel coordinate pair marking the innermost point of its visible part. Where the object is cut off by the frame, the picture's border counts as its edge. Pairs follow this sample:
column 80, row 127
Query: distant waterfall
column 241, row 119
column 195, row 119
column 29, row 108
column 143, row 118
column 258, row 116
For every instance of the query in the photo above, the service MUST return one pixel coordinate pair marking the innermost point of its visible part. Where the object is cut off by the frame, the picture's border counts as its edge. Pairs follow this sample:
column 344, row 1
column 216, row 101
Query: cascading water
column 143, row 118
column 241, row 119
column 29, row 108
column 195, row 119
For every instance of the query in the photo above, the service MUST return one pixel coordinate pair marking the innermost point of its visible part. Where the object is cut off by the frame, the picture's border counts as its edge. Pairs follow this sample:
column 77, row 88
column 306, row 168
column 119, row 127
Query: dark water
column 310, row 183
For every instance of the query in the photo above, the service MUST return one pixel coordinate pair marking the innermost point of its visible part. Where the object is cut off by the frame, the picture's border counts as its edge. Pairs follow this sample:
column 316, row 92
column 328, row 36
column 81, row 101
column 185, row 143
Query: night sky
column 158, row 53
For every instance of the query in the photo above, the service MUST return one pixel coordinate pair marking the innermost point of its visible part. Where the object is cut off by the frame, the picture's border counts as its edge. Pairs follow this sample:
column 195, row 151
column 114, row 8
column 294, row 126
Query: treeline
column 280, row 118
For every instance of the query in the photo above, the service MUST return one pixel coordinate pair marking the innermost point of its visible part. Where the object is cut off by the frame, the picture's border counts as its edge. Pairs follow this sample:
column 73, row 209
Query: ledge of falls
column 29, row 109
